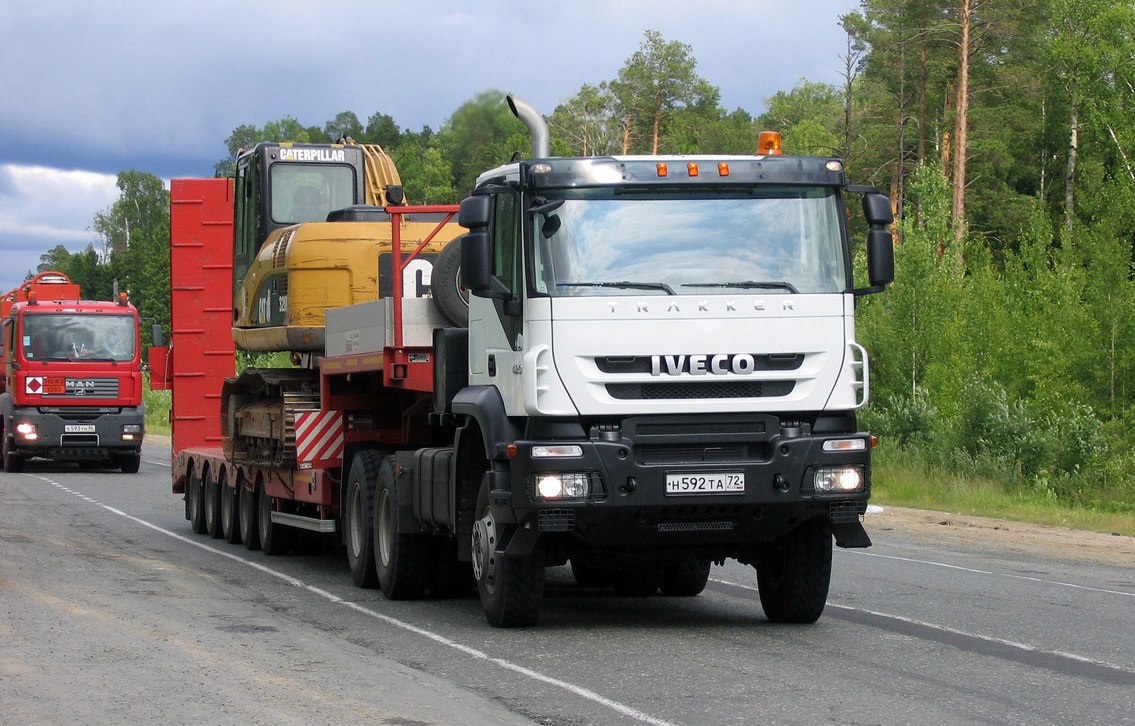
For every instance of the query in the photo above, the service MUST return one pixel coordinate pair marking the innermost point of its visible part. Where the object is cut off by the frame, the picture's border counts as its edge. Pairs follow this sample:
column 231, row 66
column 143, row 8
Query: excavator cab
column 278, row 185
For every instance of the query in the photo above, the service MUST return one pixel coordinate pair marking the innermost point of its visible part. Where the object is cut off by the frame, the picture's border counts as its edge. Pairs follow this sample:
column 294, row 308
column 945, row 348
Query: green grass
column 906, row 484
column 157, row 408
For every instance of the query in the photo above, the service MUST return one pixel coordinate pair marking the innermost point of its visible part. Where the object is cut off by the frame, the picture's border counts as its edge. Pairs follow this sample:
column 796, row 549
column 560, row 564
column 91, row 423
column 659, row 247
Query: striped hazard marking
column 319, row 437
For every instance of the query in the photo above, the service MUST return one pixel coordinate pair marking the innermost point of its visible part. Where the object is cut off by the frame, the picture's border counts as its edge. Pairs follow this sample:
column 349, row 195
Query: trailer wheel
column 358, row 517
column 274, row 537
column 686, row 577
column 246, row 514
column 794, row 571
column 13, row 462
column 511, row 587
column 130, row 463
column 211, row 503
column 195, row 501
column 230, row 527
column 445, row 283
column 401, row 559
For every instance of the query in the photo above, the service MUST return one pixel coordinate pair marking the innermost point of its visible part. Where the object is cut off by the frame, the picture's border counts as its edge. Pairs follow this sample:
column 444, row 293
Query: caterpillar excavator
column 311, row 233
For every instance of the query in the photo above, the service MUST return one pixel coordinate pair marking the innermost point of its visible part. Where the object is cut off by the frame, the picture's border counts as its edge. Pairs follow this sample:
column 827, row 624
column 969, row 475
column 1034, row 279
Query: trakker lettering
column 700, row 364
column 287, row 154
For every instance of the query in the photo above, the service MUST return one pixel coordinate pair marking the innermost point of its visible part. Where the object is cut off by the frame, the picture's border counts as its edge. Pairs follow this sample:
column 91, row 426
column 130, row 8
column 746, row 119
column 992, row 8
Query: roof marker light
column 662, row 169
column 722, row 168
column 692, row 168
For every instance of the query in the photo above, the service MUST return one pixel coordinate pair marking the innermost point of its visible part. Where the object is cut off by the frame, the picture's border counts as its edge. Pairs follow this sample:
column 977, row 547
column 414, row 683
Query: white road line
column 988, row 572
column 955, row 631
column 437, row 638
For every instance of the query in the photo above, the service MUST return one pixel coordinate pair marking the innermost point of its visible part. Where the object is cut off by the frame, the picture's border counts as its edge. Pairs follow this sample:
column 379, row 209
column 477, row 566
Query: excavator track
column 260, row 408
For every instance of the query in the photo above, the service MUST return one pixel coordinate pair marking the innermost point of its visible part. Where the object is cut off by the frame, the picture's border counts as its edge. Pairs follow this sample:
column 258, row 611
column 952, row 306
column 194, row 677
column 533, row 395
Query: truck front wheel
column 511, row 587
column 13, row 462
column 359, row 517
column 686, row 577
column 793, row 573
column 130, row 463
column 401, row 559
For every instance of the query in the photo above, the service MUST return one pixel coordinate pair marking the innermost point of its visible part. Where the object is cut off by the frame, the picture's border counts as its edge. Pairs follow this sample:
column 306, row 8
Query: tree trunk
column 1073, row 152
column 961, row 118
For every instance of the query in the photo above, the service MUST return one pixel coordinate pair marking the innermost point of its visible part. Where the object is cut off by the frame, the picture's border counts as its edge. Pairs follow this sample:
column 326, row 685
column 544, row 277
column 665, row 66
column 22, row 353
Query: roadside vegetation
column 1002, row 131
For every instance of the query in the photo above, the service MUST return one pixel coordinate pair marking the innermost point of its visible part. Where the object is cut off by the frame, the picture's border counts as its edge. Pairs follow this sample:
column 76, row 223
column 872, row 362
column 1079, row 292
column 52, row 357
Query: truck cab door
column 496, row 323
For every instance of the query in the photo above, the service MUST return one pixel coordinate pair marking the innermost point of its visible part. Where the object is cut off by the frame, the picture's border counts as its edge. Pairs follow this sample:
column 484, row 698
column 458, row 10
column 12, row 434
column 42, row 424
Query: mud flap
column 850, row 535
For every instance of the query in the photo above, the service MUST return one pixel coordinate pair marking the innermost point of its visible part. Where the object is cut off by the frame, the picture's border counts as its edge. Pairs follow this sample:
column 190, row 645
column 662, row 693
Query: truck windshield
column 75, row 336
column 767, row 239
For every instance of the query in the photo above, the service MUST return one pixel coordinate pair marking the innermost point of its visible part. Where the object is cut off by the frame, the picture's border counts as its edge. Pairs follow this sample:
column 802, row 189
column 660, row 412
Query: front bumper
column 80, row 434
column 628, row 506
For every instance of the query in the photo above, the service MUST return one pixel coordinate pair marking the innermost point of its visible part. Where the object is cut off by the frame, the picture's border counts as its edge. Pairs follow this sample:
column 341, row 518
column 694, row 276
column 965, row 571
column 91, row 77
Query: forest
column 1002, row 132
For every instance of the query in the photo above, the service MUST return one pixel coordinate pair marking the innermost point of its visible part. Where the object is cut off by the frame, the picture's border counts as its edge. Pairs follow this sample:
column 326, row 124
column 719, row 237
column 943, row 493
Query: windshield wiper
column 627, row 285
column 747, row 284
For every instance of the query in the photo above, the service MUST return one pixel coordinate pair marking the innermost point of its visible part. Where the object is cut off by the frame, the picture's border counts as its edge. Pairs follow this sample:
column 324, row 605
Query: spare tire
column 451, row 298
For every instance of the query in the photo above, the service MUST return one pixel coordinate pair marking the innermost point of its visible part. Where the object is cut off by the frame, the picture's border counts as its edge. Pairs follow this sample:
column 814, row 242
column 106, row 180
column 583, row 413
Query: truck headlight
column 562, row 485
column 131, row 432
column 27, row 431
column 839, row 479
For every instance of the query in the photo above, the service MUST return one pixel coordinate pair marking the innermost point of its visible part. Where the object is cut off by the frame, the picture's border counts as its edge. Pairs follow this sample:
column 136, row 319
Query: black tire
column 130, row 463
column 195, row 502
column 638, row 581
column 230, row 527
column 358, row 518
column 274, row 537
column 449, row 576
column 686, row 577
column 793, row 573
column 13, row 462
column 211, row 504
column 401, row 560
column 511, row 588
column 445, row 282
column 248, row 518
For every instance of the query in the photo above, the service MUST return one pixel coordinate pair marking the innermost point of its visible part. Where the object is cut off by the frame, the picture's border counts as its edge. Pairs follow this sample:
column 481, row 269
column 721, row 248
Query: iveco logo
column 700, row 364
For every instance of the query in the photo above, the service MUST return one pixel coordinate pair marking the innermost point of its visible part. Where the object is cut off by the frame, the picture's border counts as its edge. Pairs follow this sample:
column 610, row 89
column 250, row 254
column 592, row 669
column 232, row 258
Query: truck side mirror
column 477, row 266
column 156, row 337
column 880, row 257
column 475, row 211
column 880, row 245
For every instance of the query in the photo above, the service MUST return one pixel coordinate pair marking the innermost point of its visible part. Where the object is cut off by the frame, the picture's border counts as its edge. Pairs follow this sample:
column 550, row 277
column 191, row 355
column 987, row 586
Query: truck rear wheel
column 195, row 501
column 274, row 537
column 793, row 573
column 211, row 503
column 230, row 527
column 13, row 462
column 686, row 577
column 358, row 517
column 246, row 514
column 402, row 560
column 511, row 587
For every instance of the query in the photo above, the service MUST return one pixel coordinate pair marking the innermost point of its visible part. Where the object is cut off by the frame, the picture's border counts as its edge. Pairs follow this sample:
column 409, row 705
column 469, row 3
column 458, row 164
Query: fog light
column 562, row 485
column 27, row 431
column 839, row 479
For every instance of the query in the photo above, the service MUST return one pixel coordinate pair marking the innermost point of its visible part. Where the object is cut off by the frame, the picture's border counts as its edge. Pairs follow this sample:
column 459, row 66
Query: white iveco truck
column 662, row 373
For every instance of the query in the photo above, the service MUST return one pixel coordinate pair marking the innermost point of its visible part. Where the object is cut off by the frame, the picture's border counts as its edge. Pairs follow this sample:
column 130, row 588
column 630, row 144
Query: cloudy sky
column 88, row 89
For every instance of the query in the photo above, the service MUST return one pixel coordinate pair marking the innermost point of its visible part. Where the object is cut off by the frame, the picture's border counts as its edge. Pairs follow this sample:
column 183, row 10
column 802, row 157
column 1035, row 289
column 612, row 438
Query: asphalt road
column 112, row 611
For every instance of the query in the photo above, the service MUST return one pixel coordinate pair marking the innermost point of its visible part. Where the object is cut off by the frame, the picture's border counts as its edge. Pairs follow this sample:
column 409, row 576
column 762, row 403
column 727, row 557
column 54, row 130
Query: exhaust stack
column 537, row 129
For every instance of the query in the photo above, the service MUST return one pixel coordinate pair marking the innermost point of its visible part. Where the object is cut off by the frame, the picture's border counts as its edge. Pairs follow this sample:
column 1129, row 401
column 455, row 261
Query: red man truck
column 72, row 386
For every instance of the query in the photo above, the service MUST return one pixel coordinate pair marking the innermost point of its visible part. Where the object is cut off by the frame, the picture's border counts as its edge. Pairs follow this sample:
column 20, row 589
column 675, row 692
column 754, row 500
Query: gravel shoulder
column 1021, row 537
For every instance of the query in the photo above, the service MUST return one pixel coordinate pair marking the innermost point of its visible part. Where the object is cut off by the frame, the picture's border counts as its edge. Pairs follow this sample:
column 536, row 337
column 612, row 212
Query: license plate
column 717, row 482
column 79, row 428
